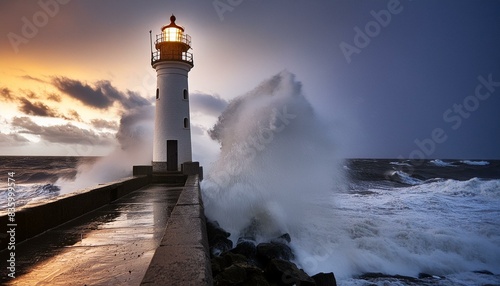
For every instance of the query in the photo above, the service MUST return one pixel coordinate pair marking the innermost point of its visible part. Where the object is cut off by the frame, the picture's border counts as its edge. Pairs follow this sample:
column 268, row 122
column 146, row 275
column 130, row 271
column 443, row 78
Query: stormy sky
column 406, row 79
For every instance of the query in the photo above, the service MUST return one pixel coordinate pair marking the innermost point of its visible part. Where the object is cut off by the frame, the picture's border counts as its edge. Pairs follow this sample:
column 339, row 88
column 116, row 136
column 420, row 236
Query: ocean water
column 440, row 217
column 37, row 177
column 279, row 171
column 396, row 217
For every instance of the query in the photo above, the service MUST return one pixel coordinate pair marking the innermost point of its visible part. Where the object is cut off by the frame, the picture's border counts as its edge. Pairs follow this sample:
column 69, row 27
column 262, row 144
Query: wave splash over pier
column 278, row 172
column 277, row 168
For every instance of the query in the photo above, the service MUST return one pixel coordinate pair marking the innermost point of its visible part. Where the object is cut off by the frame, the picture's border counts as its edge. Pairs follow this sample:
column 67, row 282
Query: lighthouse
column 172, row 133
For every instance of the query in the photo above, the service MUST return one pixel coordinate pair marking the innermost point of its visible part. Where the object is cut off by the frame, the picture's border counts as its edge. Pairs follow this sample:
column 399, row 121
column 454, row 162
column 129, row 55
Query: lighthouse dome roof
column 172, row 24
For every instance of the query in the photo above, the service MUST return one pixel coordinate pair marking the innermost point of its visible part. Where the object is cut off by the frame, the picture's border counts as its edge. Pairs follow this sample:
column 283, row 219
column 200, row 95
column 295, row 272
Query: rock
column 248, row 264
column 233, row 258
column 250, row 232
column 325, row 279
column 486, row 272
column 374, row 276
column 422, row 275
column 231, row 276
column 285, row 273
column 220, row 263
column 274, row 250
column 256, row 280
column 246, row 248
column 283, row 238
column 218, row 239
column 238, row 273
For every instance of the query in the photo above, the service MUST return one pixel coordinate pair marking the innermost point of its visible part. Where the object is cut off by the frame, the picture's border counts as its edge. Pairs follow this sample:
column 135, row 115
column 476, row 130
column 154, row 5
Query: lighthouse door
column 172, row 160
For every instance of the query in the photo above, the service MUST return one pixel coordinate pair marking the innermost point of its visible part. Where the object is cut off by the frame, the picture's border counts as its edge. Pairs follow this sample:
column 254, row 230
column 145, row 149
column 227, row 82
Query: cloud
column 73, row 115
column 28, row 105
column 32, row 78
column 6, row 94
column 36, row 108
column 93, row 97
column 101, row 123
column 12, row 139
column 198, row 129
column 26, row 124
column 133, row 100
column 67, row 133
column 30, row 94
column 136, row 127
column 54, row 97
column 101, row 96
column 207, row 103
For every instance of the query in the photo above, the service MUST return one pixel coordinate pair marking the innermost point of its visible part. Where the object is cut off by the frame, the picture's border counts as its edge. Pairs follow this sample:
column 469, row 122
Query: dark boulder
column 422, row 275
column 486, row 272
column 286, row 273
column 274, row 250
column 325, row 279
column 283, row 238
column 374, row 276
column 218, row 239
column 256, row 280
column 238, row 272
column 265, row 264
column 246, row 248
column 231, row 276
column 227, row 259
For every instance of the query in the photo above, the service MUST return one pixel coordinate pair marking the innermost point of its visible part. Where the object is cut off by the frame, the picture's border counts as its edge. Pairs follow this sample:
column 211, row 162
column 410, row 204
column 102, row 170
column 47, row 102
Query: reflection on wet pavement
column 110, row 246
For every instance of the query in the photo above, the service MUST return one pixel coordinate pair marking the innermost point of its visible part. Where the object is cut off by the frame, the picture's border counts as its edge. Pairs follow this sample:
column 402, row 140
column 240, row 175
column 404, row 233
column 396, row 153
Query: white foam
column 398, row 163
column 475, row 163
column 284, row 182
column 441, row 163
column 432, row 228
column 28, row 193
column 276, row 162
column 403, row 177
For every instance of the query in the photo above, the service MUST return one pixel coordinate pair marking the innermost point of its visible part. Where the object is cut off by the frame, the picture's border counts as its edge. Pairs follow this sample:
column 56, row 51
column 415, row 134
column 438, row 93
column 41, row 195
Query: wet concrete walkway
column 109, row 246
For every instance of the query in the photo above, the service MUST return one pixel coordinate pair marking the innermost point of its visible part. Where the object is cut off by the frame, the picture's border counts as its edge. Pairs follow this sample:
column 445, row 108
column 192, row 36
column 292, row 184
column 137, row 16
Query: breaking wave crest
column 276, row 164
column 277, row 172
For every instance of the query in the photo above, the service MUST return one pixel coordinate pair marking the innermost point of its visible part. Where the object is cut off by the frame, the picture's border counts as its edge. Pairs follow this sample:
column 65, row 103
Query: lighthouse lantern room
column 172, row 62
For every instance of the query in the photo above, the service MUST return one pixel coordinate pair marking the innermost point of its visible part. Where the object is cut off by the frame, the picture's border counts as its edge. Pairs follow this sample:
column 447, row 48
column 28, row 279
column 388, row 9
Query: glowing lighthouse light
column 172, row 62
column 173, row 34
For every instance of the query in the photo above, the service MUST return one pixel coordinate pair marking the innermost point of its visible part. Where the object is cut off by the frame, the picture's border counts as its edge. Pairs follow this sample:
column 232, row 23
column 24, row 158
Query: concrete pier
column 155, row 236
column 183, row 256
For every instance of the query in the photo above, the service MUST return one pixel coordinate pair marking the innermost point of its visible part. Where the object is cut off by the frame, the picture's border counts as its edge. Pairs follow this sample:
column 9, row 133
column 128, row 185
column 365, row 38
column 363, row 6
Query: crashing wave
column 475, row 163
column 404, row 178
column 28, row 193
column 441, row 163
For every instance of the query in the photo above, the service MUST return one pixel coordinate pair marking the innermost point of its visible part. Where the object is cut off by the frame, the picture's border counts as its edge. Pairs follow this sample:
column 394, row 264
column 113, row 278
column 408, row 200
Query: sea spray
column 135, row 140
column 277, row 173
column 276, row 170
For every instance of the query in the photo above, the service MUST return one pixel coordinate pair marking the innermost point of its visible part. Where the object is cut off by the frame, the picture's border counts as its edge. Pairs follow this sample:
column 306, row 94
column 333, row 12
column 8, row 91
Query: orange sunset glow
column 70, row 71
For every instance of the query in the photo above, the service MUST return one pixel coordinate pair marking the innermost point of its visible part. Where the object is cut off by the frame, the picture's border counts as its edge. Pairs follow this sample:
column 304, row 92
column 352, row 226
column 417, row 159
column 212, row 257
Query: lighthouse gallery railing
column 159, row 55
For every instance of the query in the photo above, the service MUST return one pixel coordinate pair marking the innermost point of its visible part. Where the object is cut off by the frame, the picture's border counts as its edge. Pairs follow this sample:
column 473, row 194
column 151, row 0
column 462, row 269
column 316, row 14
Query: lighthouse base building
column 172, row 133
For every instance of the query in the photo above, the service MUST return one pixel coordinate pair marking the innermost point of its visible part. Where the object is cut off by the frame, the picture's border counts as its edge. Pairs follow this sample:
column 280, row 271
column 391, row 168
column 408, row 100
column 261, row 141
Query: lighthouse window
column 157, row 93
column 185, row 94
column 186, row 122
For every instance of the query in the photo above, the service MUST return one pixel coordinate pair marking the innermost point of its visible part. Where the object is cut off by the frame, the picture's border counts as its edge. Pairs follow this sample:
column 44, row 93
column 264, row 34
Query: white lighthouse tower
column 172, row 134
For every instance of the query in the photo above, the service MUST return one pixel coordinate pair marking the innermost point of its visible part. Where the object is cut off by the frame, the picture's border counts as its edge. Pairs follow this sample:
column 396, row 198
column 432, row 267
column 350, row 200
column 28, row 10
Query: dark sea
column 439, row 219
column 389, row 222
column 37, row 177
